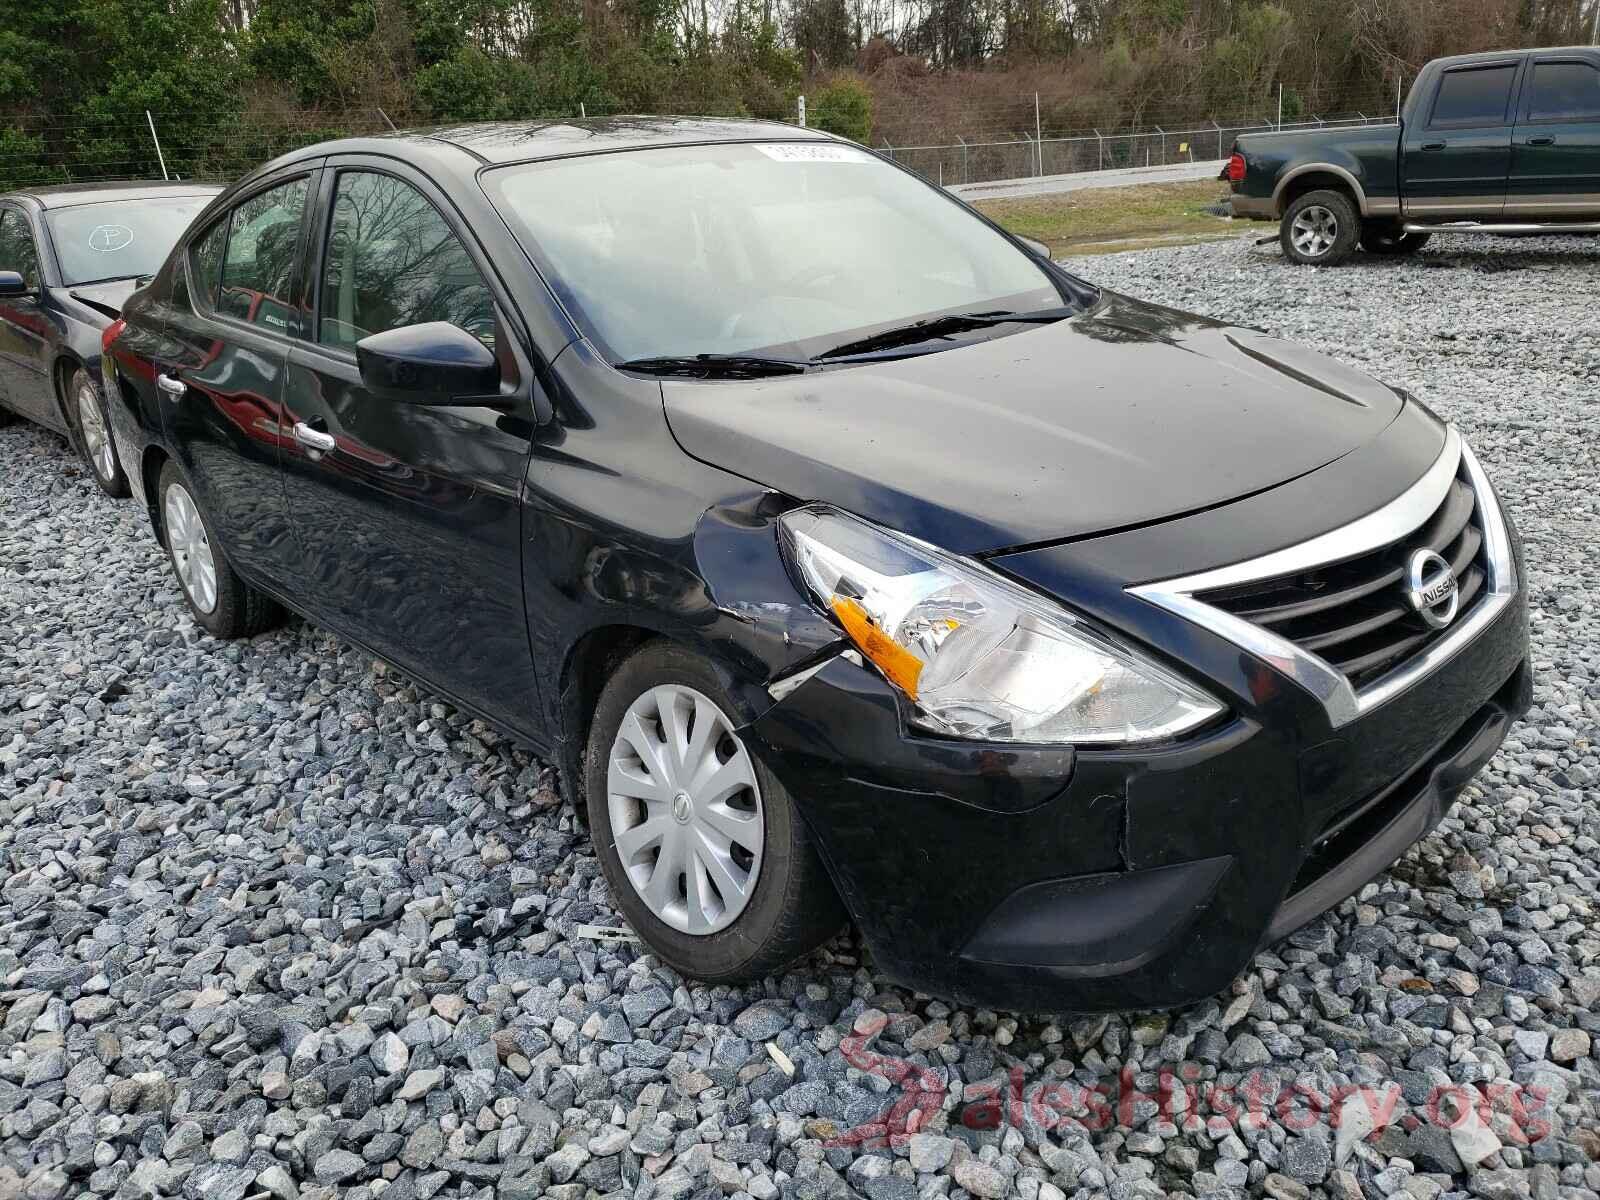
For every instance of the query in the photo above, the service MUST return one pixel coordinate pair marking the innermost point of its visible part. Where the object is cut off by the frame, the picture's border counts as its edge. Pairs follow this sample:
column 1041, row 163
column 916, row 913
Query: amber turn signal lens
column 901, row 667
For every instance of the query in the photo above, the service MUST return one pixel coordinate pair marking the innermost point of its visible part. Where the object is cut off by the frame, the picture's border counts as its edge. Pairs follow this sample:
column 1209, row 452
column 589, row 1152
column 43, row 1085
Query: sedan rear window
column 122, row 239
column 728, row 249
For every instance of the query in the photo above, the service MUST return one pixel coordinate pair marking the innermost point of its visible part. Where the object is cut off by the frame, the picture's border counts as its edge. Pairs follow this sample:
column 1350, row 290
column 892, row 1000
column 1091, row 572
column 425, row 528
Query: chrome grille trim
column 1394, row 521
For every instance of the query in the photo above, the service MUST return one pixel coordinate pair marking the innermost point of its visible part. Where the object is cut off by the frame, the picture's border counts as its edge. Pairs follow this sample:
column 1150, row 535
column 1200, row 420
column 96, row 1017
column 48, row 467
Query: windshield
column 784, row 248
column 120, row 239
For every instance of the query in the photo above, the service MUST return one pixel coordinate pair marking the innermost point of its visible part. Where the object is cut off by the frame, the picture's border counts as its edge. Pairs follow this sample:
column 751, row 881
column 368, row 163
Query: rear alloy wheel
column 94, row 435
column 190, row 547
column 1391, row 239
column 704, row 850
column 224, row 605
column 1320, row 228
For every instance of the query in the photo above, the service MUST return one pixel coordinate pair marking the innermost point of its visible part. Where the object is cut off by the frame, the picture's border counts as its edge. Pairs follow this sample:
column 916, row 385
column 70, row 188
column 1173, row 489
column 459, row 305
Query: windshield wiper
column 938, row 327
column 715, row 366
column 109, row 279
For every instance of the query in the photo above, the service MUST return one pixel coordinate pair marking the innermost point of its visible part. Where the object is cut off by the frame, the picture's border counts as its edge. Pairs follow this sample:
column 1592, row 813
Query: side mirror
column 12, row 284
column 433, row 363
column 1035, row 246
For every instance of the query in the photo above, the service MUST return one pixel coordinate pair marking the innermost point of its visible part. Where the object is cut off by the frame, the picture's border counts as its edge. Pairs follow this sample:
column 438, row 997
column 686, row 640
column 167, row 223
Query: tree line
column 229, row 82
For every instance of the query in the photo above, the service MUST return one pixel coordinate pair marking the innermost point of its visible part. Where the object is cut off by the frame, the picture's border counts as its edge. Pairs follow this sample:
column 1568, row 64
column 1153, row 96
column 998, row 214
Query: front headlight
column 977, row 655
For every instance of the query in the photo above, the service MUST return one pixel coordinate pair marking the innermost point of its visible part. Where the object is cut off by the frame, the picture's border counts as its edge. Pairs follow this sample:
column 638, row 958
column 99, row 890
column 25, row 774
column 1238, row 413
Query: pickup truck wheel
column 1381, row 238
column 1320, row 228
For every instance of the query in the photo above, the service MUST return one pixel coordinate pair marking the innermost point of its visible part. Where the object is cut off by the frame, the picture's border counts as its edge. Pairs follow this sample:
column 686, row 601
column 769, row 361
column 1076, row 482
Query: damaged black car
column 852, row 560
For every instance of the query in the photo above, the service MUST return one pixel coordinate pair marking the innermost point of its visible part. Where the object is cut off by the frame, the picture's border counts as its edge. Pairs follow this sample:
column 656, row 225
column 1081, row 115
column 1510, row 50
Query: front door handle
column 172, row 386
column 1433, row 145
column 1542, row 141
column 314, row 439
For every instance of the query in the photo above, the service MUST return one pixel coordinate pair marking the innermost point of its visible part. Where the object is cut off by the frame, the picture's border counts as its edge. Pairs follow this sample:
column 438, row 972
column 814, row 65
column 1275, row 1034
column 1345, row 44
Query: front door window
column 392, row 261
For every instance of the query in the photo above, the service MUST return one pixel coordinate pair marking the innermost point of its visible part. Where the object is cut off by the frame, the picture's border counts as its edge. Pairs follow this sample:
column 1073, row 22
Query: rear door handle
column 1433, row 145
column 314, row 439
column 1542, row 141
column 172, row 386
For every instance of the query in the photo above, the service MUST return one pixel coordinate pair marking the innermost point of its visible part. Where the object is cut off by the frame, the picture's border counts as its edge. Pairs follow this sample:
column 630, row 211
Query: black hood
column 1128, row 414
column 107, row 298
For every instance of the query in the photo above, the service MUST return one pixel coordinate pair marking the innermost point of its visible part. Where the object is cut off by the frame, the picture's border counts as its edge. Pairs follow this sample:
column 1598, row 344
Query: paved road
column 1045, row 185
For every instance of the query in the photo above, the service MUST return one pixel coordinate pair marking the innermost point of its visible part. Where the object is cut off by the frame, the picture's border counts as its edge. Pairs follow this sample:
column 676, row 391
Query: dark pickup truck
column 1503, row 142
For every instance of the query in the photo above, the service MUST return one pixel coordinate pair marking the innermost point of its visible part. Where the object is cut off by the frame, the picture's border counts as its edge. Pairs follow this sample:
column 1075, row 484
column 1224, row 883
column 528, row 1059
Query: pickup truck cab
column 1501, row 142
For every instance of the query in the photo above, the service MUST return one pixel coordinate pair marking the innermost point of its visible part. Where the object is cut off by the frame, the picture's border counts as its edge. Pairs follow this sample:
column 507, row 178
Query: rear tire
column 224, row 605
column 787, row 906
column 86, row 413
column 1320, row 228
column 1386, row 238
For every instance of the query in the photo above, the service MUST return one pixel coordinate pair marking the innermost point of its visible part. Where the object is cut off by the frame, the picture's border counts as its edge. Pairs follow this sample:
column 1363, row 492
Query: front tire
column 87, row 410
column 224, row 605
column 1320, row 228
column 702, row 847
column 1390, row 239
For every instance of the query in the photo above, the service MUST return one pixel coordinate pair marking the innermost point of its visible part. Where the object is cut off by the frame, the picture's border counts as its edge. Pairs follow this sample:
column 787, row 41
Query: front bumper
column 1037, row 879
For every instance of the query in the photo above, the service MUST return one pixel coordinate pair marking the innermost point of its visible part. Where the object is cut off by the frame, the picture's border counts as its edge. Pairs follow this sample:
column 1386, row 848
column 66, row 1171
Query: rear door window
column 258, row 266
column 1564, row 91
column 1474, row 97
column 205, row 261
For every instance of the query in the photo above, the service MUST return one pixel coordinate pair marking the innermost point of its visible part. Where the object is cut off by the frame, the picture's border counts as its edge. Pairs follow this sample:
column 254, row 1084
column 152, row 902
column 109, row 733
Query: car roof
column 1457, row 60
column 498, row 142
column 519, row 141
column 68, row 195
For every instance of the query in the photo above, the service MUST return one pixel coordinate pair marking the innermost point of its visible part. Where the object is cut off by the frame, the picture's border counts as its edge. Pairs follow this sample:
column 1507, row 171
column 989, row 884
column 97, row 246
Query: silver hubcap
column 191, row 549
column 96, row 438
column 1314, row 231
column 685, row 809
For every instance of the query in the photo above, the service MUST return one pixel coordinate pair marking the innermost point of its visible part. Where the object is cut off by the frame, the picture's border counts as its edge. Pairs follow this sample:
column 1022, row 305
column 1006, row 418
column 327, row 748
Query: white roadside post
column 160, row 157
column 1038, row 137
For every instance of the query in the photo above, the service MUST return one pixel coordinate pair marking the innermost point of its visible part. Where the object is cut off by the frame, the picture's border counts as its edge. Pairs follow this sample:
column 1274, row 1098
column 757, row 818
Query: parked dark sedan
column 847, row 556
column 69, row 256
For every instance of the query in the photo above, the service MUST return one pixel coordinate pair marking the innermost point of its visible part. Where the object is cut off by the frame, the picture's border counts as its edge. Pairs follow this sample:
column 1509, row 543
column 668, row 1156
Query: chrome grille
column 1353, row 614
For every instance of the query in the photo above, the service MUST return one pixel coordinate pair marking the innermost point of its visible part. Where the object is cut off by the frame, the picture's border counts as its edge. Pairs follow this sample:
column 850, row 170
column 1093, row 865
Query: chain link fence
column 982, row 161
column 39, row 151
column 971, row 146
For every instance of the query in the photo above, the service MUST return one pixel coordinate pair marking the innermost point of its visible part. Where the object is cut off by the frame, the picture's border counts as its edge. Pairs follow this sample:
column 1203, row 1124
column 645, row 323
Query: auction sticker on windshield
column 813, row 152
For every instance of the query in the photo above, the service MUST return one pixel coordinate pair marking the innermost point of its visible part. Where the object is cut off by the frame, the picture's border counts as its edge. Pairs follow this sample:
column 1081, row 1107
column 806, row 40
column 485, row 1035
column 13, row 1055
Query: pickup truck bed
column 1501, row 141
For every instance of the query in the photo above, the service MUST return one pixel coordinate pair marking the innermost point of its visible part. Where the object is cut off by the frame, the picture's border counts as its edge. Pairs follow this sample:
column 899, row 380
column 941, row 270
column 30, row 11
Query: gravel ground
column 273, row 923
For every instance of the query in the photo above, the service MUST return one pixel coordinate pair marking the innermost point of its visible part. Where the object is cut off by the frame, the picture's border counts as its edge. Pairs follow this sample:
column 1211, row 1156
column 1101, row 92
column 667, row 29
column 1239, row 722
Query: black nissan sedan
column 69, row 256
column 850, row 558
